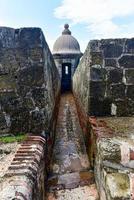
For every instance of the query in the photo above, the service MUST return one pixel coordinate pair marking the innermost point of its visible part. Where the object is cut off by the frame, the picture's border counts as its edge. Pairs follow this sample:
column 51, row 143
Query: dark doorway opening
column 66, row 77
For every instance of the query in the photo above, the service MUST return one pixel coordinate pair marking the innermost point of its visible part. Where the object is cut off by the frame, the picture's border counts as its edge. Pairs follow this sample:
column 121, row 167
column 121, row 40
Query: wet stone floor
column 70, row 177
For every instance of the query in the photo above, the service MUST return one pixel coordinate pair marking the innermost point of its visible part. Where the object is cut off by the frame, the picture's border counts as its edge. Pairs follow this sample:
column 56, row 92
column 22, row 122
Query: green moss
column 11, row 139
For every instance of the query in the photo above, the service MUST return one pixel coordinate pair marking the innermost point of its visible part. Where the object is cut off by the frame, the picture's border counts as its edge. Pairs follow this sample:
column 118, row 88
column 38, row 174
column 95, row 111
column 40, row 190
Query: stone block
column 23, row 90
column 97, row 73
column 99, row 107
column 97, row 89
column 117, row 91
column 30, row 37
column 38, row 120
column 40, row 97
column 129, row 75
column 121, row 107
column 96, row 58
column 125, row 107
column 129, row 46
column 31, row 76
column 130, row 91
column 8, row 61
column 115, row 75
column 20, row 119
column 94, row 45
column 126, row 61
column 22, row 57
column 3, row 70
column 8, row 101
column 110, row 151
column 110, row 63
column 6, row 37
column 117, row 186
column 36, row 54
column 29, row 103
column 112, row 50
column 130, row 107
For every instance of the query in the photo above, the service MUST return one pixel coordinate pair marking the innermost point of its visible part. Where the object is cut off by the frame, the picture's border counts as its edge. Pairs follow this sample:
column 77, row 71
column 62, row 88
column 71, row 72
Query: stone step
column 70, row 180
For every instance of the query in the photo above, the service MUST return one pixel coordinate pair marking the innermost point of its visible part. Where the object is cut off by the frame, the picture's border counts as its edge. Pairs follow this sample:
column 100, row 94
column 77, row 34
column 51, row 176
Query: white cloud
column 99, row 15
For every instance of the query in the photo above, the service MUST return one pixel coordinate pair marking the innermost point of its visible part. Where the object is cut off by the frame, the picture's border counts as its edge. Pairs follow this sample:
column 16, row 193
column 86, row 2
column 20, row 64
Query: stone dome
column 66, row 44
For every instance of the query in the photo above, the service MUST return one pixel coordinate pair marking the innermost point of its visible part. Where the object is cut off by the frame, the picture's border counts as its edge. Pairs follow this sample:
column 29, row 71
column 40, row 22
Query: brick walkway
column 71, row 177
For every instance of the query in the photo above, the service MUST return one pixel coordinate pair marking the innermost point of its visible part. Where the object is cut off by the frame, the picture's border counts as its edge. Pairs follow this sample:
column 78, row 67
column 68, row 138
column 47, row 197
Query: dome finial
column 66, row 30
column 66, row 26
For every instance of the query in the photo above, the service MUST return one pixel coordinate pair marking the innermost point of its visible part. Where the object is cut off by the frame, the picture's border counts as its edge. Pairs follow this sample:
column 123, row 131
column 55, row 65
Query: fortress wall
column 29, row 81
column 104, row 80
column 103, row 85
column 81, row 92
column 80, row 81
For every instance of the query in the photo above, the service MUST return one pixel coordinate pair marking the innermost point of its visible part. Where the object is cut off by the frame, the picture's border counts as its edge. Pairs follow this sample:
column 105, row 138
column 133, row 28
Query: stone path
column 71, row 177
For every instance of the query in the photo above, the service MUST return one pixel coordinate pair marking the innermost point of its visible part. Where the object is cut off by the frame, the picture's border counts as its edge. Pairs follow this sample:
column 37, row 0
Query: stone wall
column 29, row 81
column 104, row 79
column 113, row 158
column 80, row 81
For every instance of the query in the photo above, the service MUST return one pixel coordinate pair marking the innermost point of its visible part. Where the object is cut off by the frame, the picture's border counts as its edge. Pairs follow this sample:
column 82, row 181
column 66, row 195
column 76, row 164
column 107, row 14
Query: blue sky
column 89, row 19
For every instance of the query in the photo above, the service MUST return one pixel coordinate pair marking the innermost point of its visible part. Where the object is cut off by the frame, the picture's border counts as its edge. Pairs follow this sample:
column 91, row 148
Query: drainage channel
column 70, row 176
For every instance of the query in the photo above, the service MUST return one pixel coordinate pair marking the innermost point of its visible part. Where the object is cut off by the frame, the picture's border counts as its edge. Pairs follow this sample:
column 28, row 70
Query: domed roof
column 66, row 44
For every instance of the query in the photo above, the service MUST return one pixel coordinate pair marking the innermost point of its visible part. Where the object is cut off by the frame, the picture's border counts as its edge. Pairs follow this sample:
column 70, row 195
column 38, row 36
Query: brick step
column 70, row 180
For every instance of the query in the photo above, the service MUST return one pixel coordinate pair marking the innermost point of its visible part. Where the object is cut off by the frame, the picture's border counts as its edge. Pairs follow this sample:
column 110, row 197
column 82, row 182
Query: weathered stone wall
column 81, row 93
column 29, row 81
column 105, row 78
column 113, row 159
column 80, row 81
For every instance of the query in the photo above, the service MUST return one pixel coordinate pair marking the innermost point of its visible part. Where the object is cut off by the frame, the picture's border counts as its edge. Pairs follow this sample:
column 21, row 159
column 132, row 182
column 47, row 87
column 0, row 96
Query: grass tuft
column 11, row 139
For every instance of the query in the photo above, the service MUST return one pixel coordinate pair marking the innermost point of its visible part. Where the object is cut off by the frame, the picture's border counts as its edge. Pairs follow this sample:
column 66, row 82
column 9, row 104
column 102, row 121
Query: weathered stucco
column 104, row 79
column 29, row 81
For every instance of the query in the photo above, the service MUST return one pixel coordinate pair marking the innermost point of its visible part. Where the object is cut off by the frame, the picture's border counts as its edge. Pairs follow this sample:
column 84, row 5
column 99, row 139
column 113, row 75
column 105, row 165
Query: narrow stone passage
column 71, row 177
